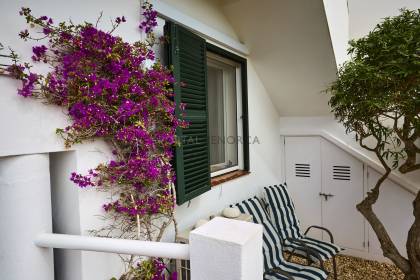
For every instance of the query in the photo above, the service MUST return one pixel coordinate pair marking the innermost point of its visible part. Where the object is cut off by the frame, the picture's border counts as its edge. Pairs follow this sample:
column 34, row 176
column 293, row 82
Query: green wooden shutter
column 187, row 54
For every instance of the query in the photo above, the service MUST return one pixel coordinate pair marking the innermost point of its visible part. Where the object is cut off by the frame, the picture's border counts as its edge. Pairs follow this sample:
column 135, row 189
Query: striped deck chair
column 275, row 266
column 282, row 213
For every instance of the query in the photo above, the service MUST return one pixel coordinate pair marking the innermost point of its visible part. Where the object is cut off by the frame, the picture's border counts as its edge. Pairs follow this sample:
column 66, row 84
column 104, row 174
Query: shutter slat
column 196, row 107
column 194, row 140
column 193, row 151
column 195, row 101
column 191, row 67
column 194, row 175
column 193, row 96
column 187, row 54
column 189, row 46
column 191, row 84
column 191, row 76
column 197, row 185
column 191, row 89
column 197, row 130
column 187, row 34
column 195, row 144
column 191, row 64
column 194, row 159
column 197, row 167
column 196, row 163
column 191, row 73
column 195, row 134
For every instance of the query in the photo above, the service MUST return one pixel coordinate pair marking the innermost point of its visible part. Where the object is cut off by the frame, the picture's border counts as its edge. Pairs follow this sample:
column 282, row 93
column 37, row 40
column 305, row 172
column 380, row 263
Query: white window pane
column 222, row 100
column 231, row 119
column 216, row 115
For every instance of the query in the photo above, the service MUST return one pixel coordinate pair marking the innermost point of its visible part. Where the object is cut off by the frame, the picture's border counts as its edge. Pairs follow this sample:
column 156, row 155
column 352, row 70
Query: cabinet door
column 342, row 177
column 303, row 177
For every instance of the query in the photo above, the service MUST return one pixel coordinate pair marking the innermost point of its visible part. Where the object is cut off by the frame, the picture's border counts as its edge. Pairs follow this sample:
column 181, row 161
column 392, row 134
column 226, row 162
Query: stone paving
column 351, row 268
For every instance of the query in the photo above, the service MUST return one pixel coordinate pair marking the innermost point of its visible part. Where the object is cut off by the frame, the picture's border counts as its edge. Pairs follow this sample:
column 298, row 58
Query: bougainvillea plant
column 110, row 93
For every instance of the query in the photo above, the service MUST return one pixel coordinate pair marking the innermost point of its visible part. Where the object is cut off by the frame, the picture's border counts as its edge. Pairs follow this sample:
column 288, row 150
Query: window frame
column 242, row 102
column 217, row 61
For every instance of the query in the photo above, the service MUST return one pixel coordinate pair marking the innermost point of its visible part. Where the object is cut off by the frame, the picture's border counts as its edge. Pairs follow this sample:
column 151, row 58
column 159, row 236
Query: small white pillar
column 25, row 212
column 226, row 249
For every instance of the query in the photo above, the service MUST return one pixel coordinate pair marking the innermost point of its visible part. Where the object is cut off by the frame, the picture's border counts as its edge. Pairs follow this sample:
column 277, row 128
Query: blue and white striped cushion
column 273, row 258
column 282, row 213
column 255, row 208
column 325, row 249
column 272, row 248
column 275, row 276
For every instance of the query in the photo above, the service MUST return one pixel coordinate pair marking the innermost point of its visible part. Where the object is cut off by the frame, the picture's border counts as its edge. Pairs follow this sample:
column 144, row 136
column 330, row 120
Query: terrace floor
column 352, row 268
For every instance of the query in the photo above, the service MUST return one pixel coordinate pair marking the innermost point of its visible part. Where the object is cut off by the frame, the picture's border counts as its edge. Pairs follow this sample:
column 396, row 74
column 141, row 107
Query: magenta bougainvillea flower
column 149, row 18
column 39, row 52
column 109, row 93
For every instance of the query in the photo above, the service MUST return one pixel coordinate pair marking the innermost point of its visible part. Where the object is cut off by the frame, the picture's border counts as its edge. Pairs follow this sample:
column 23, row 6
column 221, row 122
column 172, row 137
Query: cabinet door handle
column 326, row 196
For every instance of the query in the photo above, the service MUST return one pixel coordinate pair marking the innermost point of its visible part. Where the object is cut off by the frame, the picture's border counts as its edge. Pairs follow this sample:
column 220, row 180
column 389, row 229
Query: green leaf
column 382, row 78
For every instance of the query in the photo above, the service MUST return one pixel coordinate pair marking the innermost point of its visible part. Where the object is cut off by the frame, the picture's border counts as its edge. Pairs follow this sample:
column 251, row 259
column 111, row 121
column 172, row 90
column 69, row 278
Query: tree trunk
column 388, row 247
column 413, row 242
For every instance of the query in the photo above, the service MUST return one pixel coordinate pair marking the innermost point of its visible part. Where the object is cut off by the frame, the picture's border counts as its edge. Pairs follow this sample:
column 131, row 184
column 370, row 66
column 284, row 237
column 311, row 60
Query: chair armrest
column 309, row 251
column 279, row 271
column 321, row 228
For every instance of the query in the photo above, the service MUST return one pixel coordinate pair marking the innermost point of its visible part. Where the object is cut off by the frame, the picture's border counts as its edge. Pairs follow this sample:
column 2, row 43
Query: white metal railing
column 113, row 245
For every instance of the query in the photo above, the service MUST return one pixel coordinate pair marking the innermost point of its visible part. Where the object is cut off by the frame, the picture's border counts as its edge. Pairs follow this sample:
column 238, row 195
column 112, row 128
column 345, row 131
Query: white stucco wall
column 290, row 45
column 207, row 12
column 29, row 126
column 337, row 15
column 364, row 15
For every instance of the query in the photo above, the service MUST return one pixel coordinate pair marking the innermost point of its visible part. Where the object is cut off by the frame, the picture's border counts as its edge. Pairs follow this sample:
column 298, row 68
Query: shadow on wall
column 65, row 213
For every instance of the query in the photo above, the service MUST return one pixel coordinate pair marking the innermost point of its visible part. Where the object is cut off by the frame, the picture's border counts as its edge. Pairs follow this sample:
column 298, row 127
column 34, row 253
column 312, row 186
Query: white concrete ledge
column 113, row 245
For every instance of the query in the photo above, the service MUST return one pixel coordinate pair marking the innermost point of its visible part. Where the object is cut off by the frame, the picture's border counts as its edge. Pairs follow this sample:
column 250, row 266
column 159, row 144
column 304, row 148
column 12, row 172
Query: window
column 212, row 83
column 224, row 92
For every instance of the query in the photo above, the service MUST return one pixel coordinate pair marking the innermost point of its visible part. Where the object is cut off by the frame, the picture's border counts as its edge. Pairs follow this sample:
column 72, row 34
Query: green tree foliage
column 377, row 97
column 377, row 92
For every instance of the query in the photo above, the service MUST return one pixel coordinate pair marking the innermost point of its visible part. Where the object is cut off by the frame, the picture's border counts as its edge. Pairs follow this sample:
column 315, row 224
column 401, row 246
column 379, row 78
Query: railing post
column 25, row 211
column 226, row 249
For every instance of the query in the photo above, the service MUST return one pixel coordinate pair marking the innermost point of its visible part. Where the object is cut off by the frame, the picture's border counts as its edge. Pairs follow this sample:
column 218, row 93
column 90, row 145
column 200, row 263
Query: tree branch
column 365, row 208
column 413, row 240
